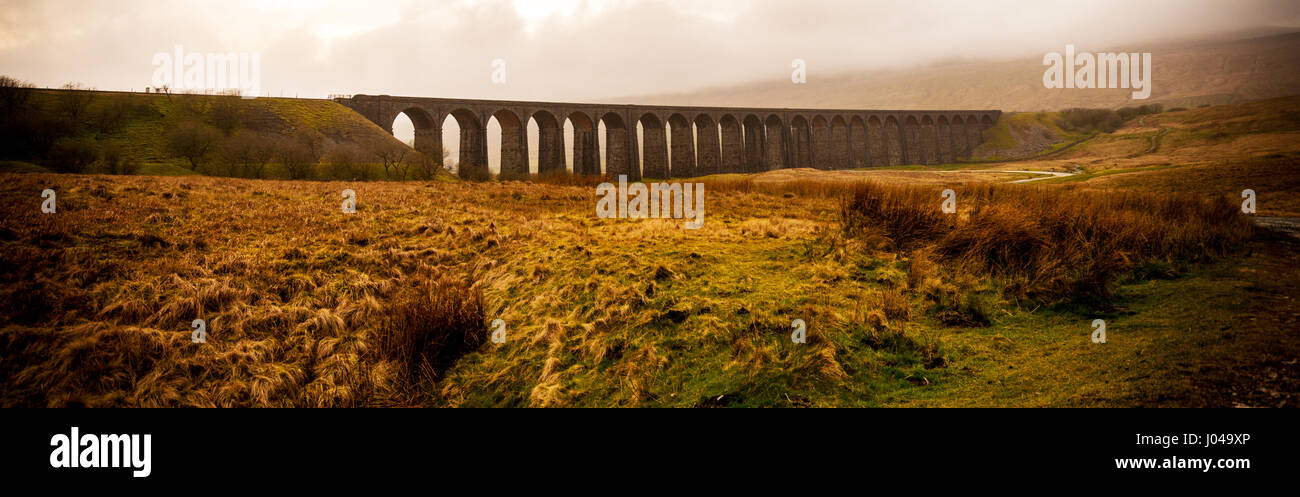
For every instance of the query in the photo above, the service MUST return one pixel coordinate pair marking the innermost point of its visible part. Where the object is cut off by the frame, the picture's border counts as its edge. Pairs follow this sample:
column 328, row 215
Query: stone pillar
column 710, row 156
column 753, row 147
column 839, row 147
column 912, row 142
column 655, row 158
column 929, row 144
column 959, row 147
column 876, row 143
column 683, row 144
column 429, row 142
column 473, row 162
column 799, row 144
column 896, row 137
column 586, row 158
column 822, row 155
column 633, row 149
column 943, row 135
column 774, row 156
column 859, row 149
column 550, row 150
column 514, row 151
column 733, row 148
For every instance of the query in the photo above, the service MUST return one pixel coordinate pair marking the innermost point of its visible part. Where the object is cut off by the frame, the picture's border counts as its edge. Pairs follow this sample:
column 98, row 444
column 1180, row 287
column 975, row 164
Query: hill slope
column 138, row 123
column 1186, row 74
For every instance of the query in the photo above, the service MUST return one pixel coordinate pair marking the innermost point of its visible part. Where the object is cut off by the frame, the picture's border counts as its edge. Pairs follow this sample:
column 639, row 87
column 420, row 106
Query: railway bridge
column 681, row 142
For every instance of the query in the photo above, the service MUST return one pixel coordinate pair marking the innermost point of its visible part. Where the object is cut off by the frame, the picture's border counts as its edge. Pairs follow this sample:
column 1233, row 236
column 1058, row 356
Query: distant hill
column 1186, row 74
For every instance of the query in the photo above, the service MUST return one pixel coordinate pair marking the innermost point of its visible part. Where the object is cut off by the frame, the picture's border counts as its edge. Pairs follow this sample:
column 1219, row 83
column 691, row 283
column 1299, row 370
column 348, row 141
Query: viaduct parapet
column 704, row 140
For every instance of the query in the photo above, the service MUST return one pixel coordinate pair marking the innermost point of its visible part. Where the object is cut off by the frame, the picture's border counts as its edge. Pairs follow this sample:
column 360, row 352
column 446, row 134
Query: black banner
column 325, row 448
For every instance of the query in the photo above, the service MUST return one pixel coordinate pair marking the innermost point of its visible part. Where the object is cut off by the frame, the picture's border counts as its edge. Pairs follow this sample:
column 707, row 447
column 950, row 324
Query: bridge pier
column 912, row 142
column 655, row 156
column 974, row 135
column 683, row 147
column 473, row 163
column 619, row 152
column 428, row 141
column 774, row 144
column 859, row 150
column 733, row 146
column 839, row 144
column 879, row 151
column 943, row 135
column 800, row 143
column 709, row 146
column 753, row 144
column 550, row 150
column 959, row 148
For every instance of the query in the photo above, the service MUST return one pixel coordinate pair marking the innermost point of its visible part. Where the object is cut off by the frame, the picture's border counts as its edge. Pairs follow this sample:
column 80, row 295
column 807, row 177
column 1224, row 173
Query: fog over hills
column 1186, row 73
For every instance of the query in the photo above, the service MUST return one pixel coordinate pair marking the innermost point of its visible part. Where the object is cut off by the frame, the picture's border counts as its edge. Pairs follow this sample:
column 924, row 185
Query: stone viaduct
column 722, row 140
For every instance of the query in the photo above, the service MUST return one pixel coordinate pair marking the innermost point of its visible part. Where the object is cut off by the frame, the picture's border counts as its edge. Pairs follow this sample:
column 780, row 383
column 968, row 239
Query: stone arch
column 800, row 142
column 586, row 147
column 859, row 151
column 774, row 156
column 708, row 146
column 943, row 135
column 821, row 143
column 550, row 143
column 428, row 134
column 733, row 144
column 618, row 153
column 514, row 145
column 681, row 142
column 471, row 162
column 754, row 144
column 839, row 158
column 654, row 147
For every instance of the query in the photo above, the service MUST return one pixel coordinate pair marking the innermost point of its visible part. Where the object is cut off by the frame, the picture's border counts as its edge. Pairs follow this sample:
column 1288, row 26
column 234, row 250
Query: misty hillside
column 1186, row 74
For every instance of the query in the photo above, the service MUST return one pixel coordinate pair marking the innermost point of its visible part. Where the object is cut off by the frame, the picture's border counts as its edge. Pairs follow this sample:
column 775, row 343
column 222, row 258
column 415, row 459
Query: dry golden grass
column 307, row 306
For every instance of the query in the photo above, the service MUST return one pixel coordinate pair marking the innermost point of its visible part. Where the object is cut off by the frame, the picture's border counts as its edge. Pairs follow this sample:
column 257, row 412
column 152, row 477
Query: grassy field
column 303, row 303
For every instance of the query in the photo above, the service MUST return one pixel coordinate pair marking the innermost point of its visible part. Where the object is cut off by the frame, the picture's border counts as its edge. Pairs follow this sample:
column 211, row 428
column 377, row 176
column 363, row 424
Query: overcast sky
column 572, row 49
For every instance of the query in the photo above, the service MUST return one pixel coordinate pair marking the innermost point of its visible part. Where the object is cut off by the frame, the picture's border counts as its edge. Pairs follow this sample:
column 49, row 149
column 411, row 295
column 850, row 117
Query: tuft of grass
column 432, row 323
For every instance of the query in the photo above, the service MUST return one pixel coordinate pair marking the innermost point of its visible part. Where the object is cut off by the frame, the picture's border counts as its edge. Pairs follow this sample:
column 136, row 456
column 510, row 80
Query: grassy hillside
column 1217, row 149
column 139, row 126
column 1187, row 74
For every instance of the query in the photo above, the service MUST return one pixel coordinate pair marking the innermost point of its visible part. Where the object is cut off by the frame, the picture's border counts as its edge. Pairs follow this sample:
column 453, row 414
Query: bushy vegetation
column 1079, row 120
column 1050, row 244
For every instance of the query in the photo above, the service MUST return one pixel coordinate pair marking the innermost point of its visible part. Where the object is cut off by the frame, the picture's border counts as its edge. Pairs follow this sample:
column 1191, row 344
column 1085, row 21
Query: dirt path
column 1288, row 225
column 1050, row 174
